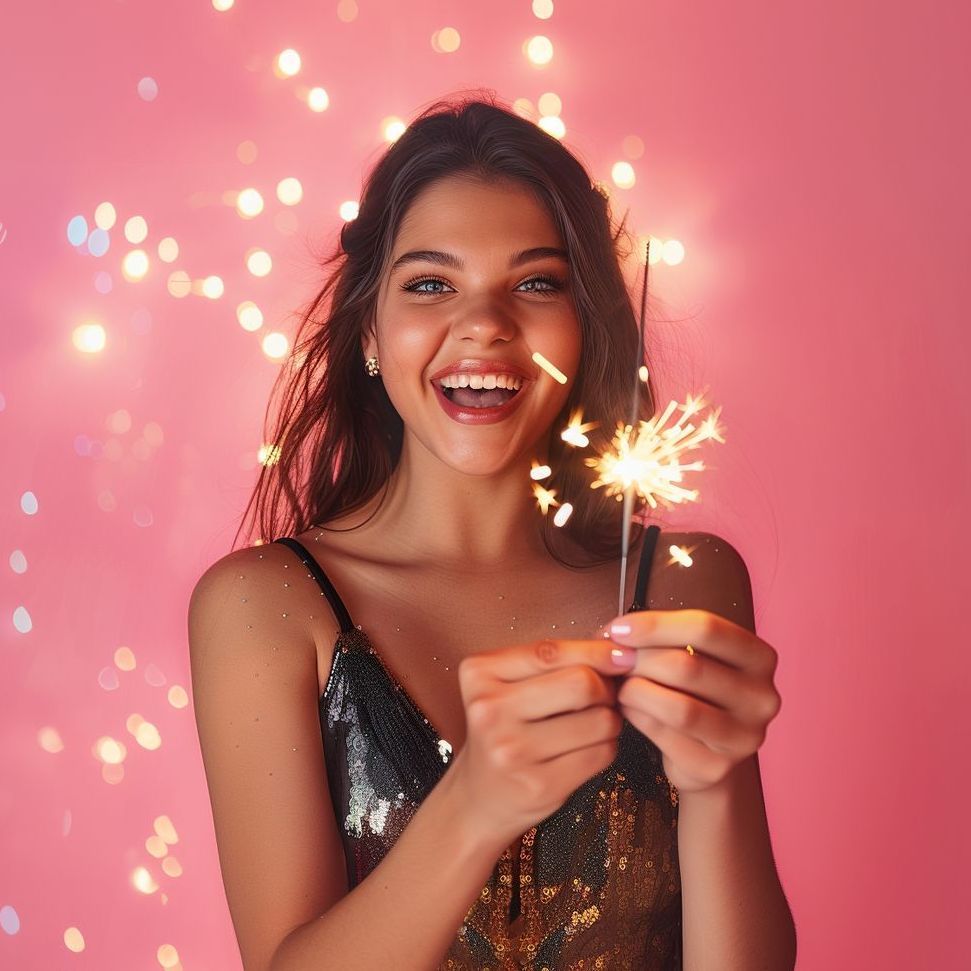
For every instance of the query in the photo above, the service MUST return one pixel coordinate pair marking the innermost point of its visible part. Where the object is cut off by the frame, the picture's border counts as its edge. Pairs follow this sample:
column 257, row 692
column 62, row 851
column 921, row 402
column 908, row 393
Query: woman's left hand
column 708, row 711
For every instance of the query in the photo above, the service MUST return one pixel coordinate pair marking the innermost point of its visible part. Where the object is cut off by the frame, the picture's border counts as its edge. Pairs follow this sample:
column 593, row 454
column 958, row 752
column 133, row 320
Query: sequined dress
column 599, row 882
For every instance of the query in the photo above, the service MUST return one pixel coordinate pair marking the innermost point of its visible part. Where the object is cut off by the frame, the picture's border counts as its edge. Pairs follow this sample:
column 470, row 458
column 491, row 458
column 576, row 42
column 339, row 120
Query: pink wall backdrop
column 812, row 160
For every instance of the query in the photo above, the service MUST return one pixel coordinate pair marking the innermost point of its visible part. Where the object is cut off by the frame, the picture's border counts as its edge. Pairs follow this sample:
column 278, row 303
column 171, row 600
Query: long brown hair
column 337, row 436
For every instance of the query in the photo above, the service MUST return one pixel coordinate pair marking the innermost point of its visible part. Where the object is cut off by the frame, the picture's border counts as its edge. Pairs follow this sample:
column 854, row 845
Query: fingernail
column 619, row 627
column 623, row 657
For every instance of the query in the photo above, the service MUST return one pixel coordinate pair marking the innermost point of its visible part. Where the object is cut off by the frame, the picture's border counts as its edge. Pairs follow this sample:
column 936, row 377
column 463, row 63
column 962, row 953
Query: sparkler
column 644, row 464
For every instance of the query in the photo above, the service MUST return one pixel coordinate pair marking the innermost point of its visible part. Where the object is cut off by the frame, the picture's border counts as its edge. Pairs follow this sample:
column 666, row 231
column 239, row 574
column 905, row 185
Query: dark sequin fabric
column 599, row 881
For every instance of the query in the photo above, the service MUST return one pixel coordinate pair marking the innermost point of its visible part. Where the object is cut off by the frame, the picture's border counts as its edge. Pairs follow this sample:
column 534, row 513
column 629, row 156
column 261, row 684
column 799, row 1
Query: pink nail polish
column 623, row 657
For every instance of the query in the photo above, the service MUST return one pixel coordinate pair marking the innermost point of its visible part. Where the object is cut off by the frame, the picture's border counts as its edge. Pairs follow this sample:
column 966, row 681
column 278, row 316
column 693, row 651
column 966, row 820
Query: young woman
column 421, row 752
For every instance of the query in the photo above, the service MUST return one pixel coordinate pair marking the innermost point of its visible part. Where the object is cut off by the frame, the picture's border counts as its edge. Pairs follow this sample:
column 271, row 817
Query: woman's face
column 483, row 305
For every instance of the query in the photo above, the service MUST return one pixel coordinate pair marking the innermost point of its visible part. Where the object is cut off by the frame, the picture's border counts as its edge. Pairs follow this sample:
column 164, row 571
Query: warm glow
column 134, row 266
column 249, row 203
column 250, row 316
column 539, row 50
column 562, row 514
column 212, row 287
column 393, row 128
column 549, row 104
column 148, row 736
column 545, row 497
column 288, row 63
column 165, row 830
column 681, row 556
column 168, row 957
column 275, row 345
column 110, row 751
column 540, row 471
column 178, row 696
column 105, row 216
column 289, row 191
column 268, row 454
column 318, row 99
column 524, row 108
column 349, row 210
column 575, row 432
column 543, row 9
column 222, row 5
column 179, row 284
column 136, row 229
column 89, row 338
column 258, row 262
column 168, row 250
column 553, row 125
column 49, row 739
column 623, row 175
column 446, row 40
column 672, row 252
column 648, row 459
column 143, row 881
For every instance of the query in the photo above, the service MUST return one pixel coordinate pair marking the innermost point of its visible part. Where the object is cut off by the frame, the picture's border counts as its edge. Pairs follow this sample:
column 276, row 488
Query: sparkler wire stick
column 629, row 492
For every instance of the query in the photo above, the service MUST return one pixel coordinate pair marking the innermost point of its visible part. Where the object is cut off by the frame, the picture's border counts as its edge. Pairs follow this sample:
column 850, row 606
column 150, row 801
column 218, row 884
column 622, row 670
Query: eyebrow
column 451, row 260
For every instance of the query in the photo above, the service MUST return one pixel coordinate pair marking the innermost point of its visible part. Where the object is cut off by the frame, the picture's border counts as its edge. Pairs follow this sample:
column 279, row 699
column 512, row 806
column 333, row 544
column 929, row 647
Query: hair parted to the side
column 337, row 437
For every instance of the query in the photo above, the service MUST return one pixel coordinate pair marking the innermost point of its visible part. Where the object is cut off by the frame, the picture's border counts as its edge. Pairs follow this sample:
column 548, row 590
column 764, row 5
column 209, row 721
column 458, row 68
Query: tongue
column 484, row 398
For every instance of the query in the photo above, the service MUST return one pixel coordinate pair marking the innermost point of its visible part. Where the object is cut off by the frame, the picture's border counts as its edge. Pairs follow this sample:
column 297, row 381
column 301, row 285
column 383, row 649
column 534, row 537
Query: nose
column 485, row 321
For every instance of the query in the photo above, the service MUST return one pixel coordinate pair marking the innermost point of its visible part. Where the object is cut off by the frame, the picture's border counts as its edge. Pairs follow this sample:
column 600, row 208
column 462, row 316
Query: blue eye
column 553, row 284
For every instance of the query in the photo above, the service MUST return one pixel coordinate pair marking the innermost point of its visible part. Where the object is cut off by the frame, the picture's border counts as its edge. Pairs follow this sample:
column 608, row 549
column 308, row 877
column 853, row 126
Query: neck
column 476, row 524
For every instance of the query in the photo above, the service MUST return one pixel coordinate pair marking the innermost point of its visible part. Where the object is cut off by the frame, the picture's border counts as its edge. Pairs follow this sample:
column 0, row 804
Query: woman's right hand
column 541, row 719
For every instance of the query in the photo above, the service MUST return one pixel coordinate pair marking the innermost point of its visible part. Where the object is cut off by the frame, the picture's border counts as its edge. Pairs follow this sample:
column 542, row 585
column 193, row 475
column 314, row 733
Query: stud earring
column 371, row 366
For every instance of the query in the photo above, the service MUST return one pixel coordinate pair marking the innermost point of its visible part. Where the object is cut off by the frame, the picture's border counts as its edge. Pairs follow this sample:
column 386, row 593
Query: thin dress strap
column 340, row 611
column 644, row 569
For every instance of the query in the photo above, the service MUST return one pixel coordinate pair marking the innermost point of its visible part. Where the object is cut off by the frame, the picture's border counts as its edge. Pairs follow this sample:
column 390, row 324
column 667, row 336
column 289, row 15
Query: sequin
column 598, row 880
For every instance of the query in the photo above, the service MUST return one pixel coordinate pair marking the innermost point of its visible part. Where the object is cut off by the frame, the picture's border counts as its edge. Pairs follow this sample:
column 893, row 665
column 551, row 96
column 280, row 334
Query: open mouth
column 480, row 397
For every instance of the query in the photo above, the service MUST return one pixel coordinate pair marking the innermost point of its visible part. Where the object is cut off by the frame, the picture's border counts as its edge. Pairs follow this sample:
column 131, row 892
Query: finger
column 566, row 689
column 521, row 661
column 707, row 725
column 707, row 632
column 550, row 738
column 683, row 750
column 701, row 677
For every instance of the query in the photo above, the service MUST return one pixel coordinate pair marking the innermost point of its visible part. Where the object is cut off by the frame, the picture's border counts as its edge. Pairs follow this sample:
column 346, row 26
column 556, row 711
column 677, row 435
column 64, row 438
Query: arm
column 408, row 910
column 734, row 912
column 255, row 700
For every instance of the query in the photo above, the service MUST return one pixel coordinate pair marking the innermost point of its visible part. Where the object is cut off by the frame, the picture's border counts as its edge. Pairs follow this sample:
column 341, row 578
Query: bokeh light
column 539, row 50
column 288, row 63
column 249, row 203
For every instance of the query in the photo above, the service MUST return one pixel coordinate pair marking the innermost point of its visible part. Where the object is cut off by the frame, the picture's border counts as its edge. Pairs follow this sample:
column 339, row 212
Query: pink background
column 813, row 160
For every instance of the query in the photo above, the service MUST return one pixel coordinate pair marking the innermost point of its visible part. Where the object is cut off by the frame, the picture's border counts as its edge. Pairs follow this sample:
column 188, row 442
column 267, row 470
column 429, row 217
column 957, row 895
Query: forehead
column 467, row 213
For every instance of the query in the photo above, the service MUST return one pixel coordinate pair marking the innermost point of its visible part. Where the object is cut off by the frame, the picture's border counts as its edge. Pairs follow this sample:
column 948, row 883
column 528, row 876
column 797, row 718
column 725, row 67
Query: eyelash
column 556, row 283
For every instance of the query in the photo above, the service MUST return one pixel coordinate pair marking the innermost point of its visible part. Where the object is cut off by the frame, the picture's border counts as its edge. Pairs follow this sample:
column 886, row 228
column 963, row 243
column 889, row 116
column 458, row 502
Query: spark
column 650, row 460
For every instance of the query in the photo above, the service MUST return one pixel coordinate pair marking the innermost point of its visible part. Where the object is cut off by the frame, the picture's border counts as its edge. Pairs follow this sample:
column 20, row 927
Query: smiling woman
column 412, row 414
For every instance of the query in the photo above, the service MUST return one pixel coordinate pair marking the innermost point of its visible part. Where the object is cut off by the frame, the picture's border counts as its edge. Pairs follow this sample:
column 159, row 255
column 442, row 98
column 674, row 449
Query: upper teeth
column 481, row 381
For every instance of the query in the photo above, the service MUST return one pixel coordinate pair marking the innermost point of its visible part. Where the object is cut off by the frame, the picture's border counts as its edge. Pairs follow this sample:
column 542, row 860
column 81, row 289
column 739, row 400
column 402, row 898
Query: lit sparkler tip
column 649, row 461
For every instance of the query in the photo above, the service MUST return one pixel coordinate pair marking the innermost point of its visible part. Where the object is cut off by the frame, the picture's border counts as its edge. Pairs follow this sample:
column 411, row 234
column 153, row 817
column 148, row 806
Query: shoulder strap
column 340, row 611
column 644, row 569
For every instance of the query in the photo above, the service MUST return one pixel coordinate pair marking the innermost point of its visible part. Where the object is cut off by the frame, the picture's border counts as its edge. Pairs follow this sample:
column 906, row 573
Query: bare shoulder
column 254, row 696
column 714, row 576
